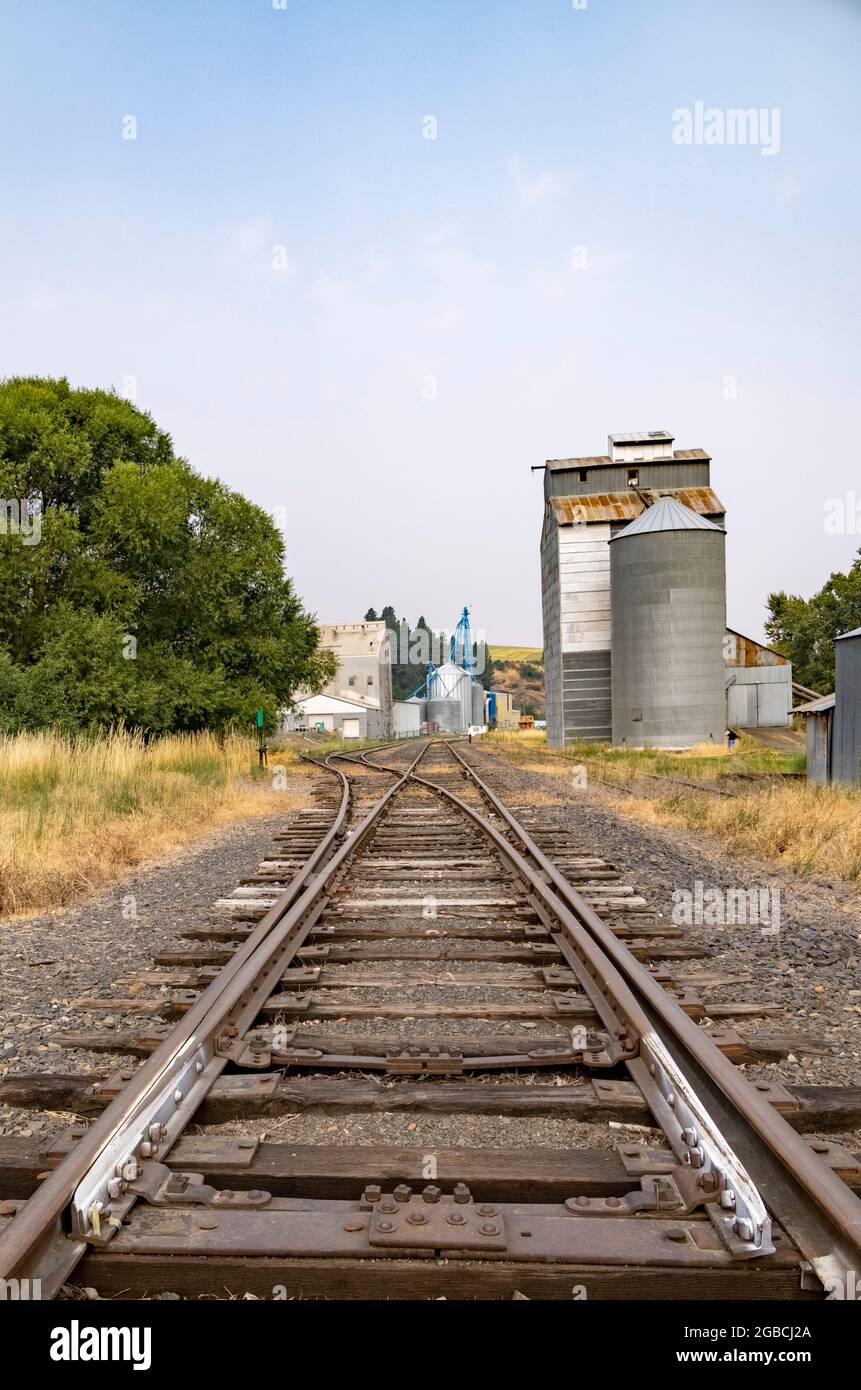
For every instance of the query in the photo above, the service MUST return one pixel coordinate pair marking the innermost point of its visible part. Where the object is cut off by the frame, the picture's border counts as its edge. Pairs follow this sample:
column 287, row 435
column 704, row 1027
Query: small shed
column 818, row 718
column 408, row 717
column 846, row 735
column 331, row 715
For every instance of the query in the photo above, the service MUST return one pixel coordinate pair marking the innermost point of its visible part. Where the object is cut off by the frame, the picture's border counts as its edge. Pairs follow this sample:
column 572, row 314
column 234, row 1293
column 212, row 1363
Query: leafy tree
column 154, row 596
column 371, row 616
column 805, row 629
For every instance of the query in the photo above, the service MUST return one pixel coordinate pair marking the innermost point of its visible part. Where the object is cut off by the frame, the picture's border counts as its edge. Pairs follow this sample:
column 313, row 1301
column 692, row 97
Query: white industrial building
column 408, row 716
column 350, row 719
column 330, row 715
column 361, row 688
column 364, row 673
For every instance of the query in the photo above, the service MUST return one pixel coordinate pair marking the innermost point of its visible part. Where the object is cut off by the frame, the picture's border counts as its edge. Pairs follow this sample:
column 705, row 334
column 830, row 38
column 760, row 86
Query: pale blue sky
column 409, row 258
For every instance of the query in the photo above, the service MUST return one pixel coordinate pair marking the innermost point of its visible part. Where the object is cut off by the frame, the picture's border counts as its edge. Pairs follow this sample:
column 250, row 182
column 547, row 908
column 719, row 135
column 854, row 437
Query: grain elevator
column 588, row 501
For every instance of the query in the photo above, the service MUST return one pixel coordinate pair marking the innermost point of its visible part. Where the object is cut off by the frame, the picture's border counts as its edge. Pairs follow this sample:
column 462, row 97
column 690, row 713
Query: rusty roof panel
column 588, row 461
column 604, row 460
column 626, row 506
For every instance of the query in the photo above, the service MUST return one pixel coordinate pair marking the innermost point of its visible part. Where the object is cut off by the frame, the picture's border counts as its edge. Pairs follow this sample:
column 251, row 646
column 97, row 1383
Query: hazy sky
column 379, row 333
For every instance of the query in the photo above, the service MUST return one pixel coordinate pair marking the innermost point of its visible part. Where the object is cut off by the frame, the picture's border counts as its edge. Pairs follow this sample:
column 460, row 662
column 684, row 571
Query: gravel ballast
column 50, row 960
column 811, row 969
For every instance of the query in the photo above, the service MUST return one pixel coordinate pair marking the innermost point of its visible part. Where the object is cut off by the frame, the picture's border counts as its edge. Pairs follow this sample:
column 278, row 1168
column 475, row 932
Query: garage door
column 351, row 728
column 741, row 706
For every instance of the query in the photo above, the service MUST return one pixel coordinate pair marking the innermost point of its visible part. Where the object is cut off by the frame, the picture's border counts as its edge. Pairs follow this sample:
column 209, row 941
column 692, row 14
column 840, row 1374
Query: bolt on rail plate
column 436, row 1222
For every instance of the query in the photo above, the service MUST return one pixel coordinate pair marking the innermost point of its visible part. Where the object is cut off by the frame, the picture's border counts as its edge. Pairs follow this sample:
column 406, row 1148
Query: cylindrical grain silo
column 452, row 682
column 668, row 594
column 478, row 704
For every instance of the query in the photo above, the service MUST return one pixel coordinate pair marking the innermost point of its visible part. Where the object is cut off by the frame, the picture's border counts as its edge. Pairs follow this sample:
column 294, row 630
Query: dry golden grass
column 807, row 828
column 74, row 814
column 810, row 829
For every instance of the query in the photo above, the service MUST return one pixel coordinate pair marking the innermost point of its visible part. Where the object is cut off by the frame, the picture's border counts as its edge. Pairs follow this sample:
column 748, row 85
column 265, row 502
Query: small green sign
column 260, row 719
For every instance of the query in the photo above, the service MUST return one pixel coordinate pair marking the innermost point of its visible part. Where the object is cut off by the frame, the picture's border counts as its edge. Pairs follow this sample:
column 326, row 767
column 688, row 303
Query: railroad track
column 415, row 947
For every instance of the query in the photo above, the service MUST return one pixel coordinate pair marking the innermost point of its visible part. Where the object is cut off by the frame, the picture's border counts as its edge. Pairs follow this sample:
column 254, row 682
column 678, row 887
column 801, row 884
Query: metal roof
column 820, row 706
column 843, row 635
column 668, row 514
column 641, row 437
column 625, row 506
column 604, row 460
column 588, row 461
column 334, row 704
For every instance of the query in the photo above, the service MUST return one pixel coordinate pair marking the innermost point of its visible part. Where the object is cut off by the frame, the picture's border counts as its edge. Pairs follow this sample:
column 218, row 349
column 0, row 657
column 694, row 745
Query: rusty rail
column 829, row 1232
column 730, row 1145
column 176, row 1078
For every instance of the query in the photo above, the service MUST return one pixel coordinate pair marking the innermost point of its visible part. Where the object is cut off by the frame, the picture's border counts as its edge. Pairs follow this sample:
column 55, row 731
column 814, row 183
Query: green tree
column 805, row 629
column 154, row 596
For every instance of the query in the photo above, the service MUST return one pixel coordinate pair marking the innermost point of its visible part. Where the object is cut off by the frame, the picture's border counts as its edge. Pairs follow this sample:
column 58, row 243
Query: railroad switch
column 161, row 1186
column 680, row 1190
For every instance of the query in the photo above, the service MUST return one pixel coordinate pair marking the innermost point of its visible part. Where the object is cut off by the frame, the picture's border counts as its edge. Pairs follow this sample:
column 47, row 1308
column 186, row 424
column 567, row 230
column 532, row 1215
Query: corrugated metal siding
column 584, row 584
column 741, row 706
column 550, row 603
column 773, row 702
column 818, row 728
column 583, row 564
column 746, row 651
column 407, row 717
column 846, row 738
column 759, row 696
column 669, row 622
column 613, row 477
column 586, row 695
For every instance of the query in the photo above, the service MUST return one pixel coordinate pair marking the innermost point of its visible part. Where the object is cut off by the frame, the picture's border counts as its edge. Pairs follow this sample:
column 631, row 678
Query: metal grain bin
column 446, row 716
column 668, row 586
column 478, row 705
column 451, row 682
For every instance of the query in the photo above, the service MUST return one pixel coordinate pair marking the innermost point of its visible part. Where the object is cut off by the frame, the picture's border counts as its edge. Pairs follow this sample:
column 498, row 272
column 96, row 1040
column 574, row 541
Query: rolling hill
column 520, row 670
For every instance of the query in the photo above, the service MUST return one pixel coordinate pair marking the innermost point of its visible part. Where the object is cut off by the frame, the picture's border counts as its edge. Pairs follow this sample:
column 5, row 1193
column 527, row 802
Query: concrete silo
column 668, row 587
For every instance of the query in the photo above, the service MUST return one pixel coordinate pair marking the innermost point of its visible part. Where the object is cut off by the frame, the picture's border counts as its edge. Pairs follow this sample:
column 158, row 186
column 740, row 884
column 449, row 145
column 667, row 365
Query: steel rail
column 659, row 1044
column 175, row 1078
column 742, row 1223
column 831, row 1244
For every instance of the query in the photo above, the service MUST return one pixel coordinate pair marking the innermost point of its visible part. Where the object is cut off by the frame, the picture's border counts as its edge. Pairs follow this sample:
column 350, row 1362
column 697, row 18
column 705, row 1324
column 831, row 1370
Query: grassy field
column 321, row 745
column 811, row 829
column 74, row 814
column 532, row 654
column 708, row 762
